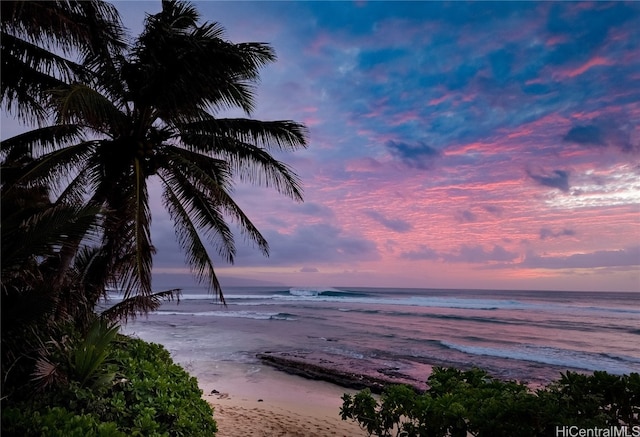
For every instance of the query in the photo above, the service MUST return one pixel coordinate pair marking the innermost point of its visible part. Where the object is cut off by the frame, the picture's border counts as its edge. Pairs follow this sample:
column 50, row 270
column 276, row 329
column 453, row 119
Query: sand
column 259, row 401
column 242, row 418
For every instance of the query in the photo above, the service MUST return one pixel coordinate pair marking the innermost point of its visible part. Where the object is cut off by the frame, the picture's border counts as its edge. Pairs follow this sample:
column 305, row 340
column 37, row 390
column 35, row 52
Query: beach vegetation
column 136, row 390
column 462, row 403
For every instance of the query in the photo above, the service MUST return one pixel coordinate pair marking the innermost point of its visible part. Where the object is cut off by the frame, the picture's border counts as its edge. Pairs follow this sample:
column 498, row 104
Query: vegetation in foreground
column 106, row 384
column 460, row 403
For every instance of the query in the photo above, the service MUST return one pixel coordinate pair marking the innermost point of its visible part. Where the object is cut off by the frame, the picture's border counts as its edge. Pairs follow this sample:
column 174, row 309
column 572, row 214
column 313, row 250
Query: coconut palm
column 154, row 118
column 39, row 42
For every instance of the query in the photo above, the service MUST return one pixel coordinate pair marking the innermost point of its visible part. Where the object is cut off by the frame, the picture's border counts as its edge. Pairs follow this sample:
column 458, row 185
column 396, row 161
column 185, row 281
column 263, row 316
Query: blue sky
column 454, row 145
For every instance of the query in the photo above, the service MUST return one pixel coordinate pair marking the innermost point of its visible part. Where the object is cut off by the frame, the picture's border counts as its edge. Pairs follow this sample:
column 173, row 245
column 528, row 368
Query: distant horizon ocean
column 530, row 336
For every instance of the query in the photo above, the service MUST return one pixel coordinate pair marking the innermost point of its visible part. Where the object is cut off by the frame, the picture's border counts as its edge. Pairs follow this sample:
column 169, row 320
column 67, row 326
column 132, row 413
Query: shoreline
column 288, row 394
column 260, row 401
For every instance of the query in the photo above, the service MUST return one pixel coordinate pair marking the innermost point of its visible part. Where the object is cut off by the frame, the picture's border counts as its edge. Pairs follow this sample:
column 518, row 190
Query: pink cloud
column 404, row 117
column 438, row 100
column 594, row 62
column 318, row 45
column 555, row 40
column 363, row 165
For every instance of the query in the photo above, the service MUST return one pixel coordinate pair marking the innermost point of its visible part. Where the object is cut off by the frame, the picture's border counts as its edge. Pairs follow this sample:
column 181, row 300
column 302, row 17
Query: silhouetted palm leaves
column 36, row 38
column 128, row 117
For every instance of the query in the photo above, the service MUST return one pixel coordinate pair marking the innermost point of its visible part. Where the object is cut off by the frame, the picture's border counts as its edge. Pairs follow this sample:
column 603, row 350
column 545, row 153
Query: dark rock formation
column 356, row 375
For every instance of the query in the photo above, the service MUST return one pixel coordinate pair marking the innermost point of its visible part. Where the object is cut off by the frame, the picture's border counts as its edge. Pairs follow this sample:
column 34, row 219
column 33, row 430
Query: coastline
column 290, row 395
column 251, row 400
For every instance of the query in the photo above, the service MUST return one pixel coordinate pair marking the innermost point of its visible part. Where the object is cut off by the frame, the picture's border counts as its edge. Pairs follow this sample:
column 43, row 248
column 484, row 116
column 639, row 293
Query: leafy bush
column 465, row 403
column 56, row 422
column 150, row 396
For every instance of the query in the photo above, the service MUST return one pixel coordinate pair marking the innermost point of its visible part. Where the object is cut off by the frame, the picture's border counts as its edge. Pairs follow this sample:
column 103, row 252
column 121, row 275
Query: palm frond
column 280, row 135
column 81, row 103
column 77, row 189
column 249, row 163
column 43, row 234
column 100, row 32
column 206, row 196
column 205, row 213
column 129, row 308
column 37, row 141
column 24, row 55
column 188, row 238
column 91, row 273
column 64, row 25
column 36, row 35
column 180, row 15
column 26, row 78
column 52, row 168
column 215, row 168
column 47, row 373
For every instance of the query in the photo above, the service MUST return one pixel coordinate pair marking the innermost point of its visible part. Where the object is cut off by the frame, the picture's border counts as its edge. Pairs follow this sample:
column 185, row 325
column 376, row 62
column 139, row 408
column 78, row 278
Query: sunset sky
column 451, row 145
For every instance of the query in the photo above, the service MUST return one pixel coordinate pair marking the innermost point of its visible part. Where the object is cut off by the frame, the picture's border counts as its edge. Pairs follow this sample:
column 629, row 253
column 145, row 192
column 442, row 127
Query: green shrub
column 150, row 396
column 56, row 422
column 465, row 403
column 155, row 395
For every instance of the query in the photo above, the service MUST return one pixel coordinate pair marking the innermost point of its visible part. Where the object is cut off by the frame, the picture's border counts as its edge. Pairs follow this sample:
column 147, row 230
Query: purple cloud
column 310, row 244
column 546, row 233
column 466, row 216
column 397, row 225
column 423, row 253
column 601, row 258
column 557, row 179
column 586, row 135
column 418, row 155
column 478, row 255
column 493, row 210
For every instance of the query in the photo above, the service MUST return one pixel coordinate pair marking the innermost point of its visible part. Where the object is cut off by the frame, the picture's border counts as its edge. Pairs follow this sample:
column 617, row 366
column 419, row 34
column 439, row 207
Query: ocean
column 530, row 336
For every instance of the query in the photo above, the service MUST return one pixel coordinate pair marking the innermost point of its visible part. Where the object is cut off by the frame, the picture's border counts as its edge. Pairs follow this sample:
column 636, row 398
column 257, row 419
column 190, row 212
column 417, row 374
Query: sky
column 488, row 145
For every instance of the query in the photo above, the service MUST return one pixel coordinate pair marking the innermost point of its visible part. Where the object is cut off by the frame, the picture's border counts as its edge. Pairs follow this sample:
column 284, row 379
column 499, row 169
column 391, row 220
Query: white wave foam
column 328, row 294
column 235, row 314
column 559, row 357
column 440, row 302
column 312, row 291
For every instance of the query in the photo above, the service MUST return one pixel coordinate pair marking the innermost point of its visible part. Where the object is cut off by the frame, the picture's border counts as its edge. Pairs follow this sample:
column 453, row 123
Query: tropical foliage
column 150, row 396
column 37, row 38
column 37, row 41
column 462, row 403
column 147, row 113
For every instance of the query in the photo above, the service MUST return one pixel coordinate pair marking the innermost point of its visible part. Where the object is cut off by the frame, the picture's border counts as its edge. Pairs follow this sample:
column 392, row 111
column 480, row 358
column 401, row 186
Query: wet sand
column 259, row 401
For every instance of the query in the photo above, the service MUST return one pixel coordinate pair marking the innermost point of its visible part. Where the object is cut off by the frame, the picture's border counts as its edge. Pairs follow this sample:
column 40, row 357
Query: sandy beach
column 242, row 417
column 259, row 401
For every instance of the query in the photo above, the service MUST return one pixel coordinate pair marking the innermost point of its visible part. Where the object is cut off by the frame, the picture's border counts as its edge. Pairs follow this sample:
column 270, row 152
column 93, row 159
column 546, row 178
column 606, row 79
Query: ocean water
column 525, row 335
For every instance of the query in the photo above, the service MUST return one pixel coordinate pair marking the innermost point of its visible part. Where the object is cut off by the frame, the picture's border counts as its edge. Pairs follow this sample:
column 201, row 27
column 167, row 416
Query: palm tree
column 38, row 40
column 44, row 45
column 154, row 117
